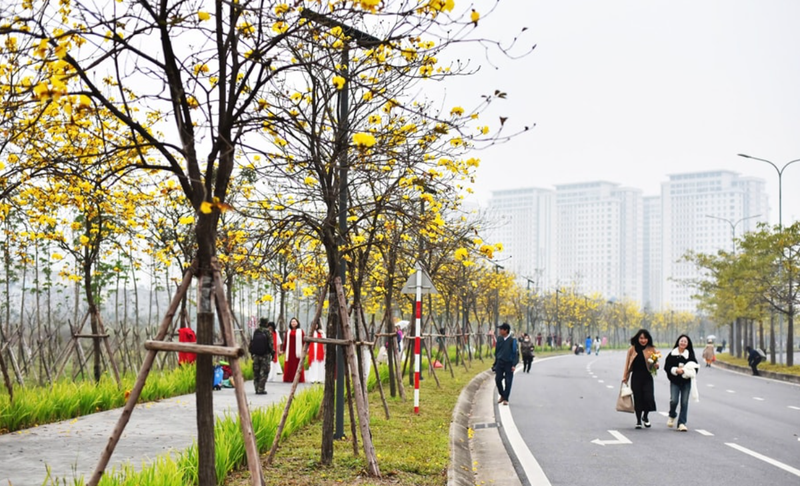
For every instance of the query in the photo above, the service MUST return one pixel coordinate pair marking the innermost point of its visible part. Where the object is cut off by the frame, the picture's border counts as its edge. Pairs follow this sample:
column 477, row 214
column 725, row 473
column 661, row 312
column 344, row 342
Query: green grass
column 763, row 366
column 66, row 399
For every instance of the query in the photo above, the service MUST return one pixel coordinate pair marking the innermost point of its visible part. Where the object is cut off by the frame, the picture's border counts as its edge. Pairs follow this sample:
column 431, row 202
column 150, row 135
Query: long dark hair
column 689, row 346
column 635, row 338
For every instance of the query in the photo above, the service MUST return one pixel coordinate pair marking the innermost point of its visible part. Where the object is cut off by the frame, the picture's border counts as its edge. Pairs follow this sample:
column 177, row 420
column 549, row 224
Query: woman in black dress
column 639, row 367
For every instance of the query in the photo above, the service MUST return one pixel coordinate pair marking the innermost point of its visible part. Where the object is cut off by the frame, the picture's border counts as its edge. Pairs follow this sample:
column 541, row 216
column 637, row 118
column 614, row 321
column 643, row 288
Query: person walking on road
column 597, row 345
column 261, row 350
column 753, row 359
column 506, row 358
column 708, row 353
column 526, row 348
column 640, row 363
column 681, row 368
column 587, row 345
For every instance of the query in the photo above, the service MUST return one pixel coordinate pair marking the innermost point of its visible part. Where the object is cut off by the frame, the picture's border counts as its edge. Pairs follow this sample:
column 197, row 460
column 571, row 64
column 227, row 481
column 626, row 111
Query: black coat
column 674, row 360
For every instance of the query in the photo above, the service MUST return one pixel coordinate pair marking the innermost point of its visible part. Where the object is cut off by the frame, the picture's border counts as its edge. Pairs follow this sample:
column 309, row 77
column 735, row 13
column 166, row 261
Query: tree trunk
column 207, row 475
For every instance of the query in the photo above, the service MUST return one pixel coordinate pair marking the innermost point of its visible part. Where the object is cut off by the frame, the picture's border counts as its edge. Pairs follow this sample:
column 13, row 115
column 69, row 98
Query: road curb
column 459, row 471
column 766, row 374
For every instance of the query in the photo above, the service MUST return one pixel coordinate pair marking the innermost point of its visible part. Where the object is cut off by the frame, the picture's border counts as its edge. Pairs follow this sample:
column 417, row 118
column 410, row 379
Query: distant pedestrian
column 640, row 364
column 261, row 350
column 293, row 348
column 588, row 345
column 316, row 357
column 708, row 353
column 753, row 359
column 597, row 343
column 506, row 357
column 526, row 348
column 275, row 367
column 681, row 368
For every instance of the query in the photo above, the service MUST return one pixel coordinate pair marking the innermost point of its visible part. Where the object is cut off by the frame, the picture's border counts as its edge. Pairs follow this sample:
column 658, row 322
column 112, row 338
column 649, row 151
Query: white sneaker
column 682, row 428
column 670, row 422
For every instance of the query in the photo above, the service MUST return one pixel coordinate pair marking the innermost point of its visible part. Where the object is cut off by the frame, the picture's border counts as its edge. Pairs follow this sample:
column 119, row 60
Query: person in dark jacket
column 261, row 349
column 753, row 358
column 526, row 348
column 506, row 357
column 679, row 385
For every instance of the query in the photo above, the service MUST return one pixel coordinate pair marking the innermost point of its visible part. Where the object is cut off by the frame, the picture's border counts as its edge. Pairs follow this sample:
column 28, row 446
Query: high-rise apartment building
column 651, row 253
column 700, row 211
column 524, row 221
column 599, row 238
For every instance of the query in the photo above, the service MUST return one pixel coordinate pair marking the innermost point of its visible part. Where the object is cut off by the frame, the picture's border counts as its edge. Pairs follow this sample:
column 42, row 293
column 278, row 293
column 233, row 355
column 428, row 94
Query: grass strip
column 67, row 399
column 763, row 366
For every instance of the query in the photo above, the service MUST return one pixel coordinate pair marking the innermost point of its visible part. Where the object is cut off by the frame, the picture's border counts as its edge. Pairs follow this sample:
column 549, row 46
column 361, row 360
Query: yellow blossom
column 203, row 16
column 362, row 139
column 338, row 81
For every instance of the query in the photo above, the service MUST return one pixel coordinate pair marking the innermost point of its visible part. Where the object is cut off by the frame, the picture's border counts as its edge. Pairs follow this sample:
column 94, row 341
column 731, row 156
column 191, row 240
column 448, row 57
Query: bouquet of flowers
column 652, row 363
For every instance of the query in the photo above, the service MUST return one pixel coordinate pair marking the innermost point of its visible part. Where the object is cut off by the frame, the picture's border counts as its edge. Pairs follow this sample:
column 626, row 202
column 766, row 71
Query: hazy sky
column 632, row 90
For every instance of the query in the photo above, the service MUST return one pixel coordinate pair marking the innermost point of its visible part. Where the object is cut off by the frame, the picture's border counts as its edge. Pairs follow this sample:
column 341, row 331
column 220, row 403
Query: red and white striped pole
column 417, row 334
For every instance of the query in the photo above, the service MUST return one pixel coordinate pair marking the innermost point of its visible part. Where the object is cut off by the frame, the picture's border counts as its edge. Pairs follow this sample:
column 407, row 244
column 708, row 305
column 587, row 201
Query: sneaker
column 638, row 426
column 670, row 422
column 682, row 428
column 646, row 422
column 505, row 402
column 500, row 400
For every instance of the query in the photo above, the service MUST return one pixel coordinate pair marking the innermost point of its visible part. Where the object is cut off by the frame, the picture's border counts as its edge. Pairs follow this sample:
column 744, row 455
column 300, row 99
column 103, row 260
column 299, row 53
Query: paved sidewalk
column 72, row 448
column 481, row 459
column 491, row 462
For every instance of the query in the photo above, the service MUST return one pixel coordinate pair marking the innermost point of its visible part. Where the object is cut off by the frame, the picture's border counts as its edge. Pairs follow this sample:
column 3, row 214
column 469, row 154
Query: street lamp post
column 734, row 341
column 362, row 39
column 780, row 182
column 528, row 306
column 789, row 342
column 558, row 321
column 733, row 227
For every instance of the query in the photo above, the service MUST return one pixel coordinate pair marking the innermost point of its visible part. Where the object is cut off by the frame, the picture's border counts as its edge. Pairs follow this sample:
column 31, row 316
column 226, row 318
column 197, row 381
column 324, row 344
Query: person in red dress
column 293, row 347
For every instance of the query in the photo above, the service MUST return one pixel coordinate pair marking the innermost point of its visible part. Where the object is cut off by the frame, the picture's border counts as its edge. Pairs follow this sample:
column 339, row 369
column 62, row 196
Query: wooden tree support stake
column 227, row 351
column 363, row 416
column 289, row 400
column 250, row 445
column 136, row 391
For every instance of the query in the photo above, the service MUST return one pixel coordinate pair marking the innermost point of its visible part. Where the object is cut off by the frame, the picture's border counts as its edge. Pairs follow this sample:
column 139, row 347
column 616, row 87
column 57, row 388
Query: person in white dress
column 316, row 357
column 275, row 370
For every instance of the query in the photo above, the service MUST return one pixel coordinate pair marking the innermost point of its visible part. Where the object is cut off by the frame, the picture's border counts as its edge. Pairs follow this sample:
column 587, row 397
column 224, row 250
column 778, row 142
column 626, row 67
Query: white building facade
column 599, row 239
column 652, row 281
column 700, row 213
column 524, row 221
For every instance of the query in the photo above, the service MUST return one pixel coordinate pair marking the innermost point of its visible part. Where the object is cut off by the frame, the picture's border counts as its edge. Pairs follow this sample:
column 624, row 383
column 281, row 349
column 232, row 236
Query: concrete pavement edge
column 459, row 471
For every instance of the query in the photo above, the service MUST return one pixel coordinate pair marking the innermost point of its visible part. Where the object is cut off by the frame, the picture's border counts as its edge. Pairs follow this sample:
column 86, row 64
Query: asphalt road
column 744, row 429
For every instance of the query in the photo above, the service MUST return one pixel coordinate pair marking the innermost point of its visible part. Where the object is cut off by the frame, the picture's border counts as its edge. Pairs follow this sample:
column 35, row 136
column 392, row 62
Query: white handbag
column 625, row 390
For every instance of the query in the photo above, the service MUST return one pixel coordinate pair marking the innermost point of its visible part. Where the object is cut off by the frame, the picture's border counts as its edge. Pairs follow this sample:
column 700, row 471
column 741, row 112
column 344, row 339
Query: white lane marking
column 665, row 414
column 730, row 391
column 764, row 458
column 758, row 398
column 609, row 386
column 794, row 408
column 525, row 457
column 620, row 439
column 529, row 464
column 710, row 386
column 704, row 432
column 600, row 381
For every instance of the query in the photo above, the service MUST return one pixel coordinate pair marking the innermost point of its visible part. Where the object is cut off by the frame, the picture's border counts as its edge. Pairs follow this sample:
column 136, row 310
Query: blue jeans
column 679, row 391
column 503, row 372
